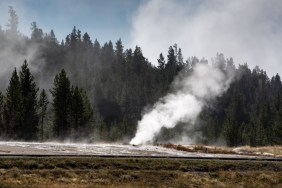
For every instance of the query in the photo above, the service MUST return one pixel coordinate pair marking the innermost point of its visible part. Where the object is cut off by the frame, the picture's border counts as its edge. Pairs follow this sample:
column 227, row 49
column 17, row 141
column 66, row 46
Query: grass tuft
column 138, row 172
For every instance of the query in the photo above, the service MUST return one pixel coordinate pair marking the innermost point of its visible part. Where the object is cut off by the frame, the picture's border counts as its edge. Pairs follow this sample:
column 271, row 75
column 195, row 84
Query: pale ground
column 53, row 148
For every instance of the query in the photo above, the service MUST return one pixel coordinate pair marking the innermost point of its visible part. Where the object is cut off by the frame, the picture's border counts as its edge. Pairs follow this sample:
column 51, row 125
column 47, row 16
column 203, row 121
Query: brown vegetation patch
column 136, row 172
column 271, row 151
column 200, row 149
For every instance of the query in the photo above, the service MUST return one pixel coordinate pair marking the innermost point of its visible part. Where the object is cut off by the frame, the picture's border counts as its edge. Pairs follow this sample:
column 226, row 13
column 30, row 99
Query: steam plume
column 13, row 55
column 248, row 30
column 183, row 105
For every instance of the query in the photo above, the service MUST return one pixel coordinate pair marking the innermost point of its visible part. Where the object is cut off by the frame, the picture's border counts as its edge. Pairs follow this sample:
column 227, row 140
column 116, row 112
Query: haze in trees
column 99, row 92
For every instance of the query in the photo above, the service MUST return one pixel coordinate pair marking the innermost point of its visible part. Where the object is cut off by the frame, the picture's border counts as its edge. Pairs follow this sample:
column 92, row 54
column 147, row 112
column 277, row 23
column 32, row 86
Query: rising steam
column 183, row 105
column 249, row 31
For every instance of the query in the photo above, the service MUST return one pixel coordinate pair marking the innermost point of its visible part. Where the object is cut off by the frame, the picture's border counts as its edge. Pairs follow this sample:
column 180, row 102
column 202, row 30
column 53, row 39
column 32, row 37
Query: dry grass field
column 136, row 172
column 273, row 151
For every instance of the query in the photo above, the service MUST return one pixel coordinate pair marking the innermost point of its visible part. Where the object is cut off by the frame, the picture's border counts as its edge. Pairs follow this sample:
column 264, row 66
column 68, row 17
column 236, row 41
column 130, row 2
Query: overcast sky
column 247, row 30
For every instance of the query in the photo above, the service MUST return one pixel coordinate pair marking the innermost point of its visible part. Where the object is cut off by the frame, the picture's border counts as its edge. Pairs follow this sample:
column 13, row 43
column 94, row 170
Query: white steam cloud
column 12, row 56
column 184, row 105
column 247, row 30
column 15, row 48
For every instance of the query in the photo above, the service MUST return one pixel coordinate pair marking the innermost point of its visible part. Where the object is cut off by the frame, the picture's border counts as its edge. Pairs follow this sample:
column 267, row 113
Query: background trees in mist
column 13, row 22
column 22, row 115
column 99, row 92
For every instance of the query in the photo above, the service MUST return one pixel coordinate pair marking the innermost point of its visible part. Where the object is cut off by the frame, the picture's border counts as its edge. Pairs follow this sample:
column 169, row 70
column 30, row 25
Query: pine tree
column 231, row 126
column 13, row 107
column 52, row 37
column 138, row 60
column 72, row 110
column 36, row 33
column 119, row 50
column 219, row 61
column 13, row 22
column 87, row 108
column 96, row 48
column 61, row 94
column 73, row 38
column 81, row 113
column 162, row 75
column 171, row 65
column 29, row 116
column 87, row 41
column 180, row 61
column 2, row 108
column 42, row 104
column 120, row 60
column 161, row 62
column 77, row 111
column 277, row 125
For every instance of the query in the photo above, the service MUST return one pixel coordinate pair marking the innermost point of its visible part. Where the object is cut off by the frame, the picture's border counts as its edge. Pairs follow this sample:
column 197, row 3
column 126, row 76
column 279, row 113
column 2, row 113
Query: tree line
column 117, row 84
column 23, row 114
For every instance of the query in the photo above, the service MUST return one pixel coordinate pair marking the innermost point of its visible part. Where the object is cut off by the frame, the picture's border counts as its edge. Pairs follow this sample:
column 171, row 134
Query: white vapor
column 14, row 49
column 247, row 30
column 183, row 105
column 13, row 54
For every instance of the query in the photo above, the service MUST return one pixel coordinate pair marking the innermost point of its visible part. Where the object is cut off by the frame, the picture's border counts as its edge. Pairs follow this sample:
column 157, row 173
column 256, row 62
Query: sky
column 250, row 31
column 102, row 19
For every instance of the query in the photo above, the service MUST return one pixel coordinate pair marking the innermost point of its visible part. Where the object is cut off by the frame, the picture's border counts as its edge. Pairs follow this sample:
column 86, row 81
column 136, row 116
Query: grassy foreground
column 137, row 172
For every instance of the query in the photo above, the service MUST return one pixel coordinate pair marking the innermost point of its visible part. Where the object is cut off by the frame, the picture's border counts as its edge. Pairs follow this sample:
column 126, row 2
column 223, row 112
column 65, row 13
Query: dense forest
column 80, row 90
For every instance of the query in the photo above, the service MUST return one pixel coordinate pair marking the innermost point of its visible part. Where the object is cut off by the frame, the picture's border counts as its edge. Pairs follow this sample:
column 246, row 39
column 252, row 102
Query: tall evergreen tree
column 36, row 33
column 29, row 116
column 119, row 50
column 87, row 41
column 180, row 60
column 2, row 108
column 13, row 105
column 61, row 105
column 277, row 124
column 161, row 62
column 42, row 104
column 77, row 111
column 171, row 65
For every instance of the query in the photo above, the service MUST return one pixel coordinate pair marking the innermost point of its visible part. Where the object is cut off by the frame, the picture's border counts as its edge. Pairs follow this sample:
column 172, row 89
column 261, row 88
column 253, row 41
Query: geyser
column 184, row 104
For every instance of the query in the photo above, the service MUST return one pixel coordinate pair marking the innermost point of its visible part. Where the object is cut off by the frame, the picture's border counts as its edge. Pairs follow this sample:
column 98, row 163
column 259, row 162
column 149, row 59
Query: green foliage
column 72, row 111
column 81, row 114
column 13, row 107
column 61, row 104
column 21, row 118
column 249, row 112
column 28, row 112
